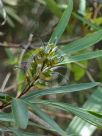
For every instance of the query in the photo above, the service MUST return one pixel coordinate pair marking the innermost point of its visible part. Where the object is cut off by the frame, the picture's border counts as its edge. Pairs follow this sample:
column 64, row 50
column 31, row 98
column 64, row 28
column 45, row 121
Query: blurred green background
column 19, row 19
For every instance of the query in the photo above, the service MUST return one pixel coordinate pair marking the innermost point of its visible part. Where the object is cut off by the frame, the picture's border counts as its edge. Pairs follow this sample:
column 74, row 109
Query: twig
column 20, row 61
column 27, row 88
column 61, row 115
column 11, row 45
column 34, row 117
column 97, row 8
column 12, row 87
column 5, row 82
column 32, row 46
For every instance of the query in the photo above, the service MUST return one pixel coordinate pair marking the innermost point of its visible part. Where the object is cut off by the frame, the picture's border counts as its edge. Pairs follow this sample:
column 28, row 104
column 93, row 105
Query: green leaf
column 20, row 113
column 21, row 133
column 6, row 117
column 61, row 89
column 17, row 132
column 79, row 126
column 40, row 126
column 48, row 119
column 80, row 112
column 53, row 7
column 10, row 2
column 5, row 98
column 32, row 134
column 3, row 12
column 78, row 71
column 2, row 94
column 82, row 43
column 11, row 12
column 97, row 114
column 62, row 23
column 10, row 22
column 86, row 21
column 82, row 57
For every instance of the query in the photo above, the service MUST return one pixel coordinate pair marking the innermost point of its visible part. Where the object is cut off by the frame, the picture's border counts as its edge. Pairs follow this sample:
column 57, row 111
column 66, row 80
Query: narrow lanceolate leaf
column 83, row 43
column 61, row 89
column 62, row 23
column 86, row 22
column 52, row 5
column 48, row 119
column 79, row 126
column 2, row 94
column 3, row 12
column 20, row 113
column 82, row 57
column 11, row 12
column 80, row 112
column 97, row 114
column 18, row 132
column 6, row 117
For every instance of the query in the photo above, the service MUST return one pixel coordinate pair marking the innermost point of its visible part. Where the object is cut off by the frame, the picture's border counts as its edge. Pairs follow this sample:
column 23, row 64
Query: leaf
column 3, row 12
column 10, row 54
column 21, row 133
column 10, row 22
column 32, row 134
column 82, row 57
column 79, row 126
column 86, row 21
column 18, row 132
column 80, row 112
column 78, row 71
column 51, row 4
column 5, row 98
column 20, row 113
column 10, row 2
column 48, row 119
column 40, row 126
column 62, row 23
column 6, row 117
column 61, row 89
column 82, row 43
column 3, row 129
column 97, row 114
column 11, row 12
column 2, row 94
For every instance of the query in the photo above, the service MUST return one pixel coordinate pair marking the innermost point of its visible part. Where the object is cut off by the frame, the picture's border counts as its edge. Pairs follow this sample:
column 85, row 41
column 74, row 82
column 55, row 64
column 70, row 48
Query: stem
column 27, row 88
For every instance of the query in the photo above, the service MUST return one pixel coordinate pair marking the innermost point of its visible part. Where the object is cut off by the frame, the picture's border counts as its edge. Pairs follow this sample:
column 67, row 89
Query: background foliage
column 50, row 65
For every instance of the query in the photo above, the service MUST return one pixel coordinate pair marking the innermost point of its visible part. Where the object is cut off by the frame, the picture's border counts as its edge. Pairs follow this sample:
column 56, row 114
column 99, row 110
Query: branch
column 60, row 115
column 34, row 118
column 11, row 45
column 33, row 45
